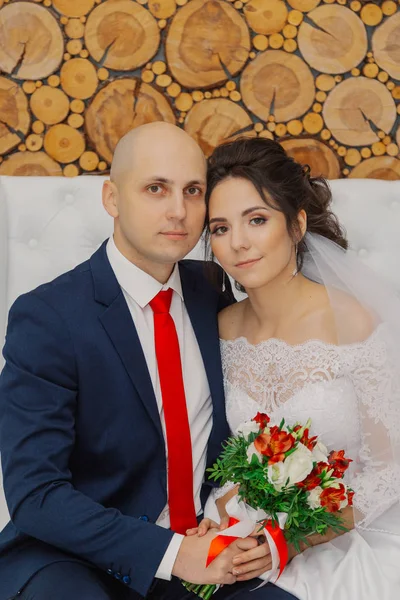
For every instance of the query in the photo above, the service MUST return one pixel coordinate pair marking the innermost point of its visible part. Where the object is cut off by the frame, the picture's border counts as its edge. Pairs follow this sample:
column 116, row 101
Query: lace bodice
column 343, row 389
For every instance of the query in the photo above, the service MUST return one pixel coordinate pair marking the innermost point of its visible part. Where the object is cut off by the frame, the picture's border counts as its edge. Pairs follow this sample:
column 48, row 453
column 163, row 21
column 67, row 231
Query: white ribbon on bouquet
column 249, row 518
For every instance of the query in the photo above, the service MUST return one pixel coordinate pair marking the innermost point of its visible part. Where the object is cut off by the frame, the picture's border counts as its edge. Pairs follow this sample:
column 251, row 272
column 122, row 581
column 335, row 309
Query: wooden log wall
column 320, row 76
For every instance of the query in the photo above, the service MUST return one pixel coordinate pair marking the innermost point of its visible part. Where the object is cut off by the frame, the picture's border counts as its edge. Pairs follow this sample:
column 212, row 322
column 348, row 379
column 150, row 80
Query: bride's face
column 249, row 239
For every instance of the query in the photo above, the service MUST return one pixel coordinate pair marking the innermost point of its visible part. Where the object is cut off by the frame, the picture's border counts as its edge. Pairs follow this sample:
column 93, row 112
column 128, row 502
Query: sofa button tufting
column 69, row 199
column 363, row 253
column 33, row 243
column 126, row 579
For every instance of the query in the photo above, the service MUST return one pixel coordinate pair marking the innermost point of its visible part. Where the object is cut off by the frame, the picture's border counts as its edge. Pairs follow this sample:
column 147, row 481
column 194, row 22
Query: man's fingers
column 229, row 579
column 261, row 551
column 192, row 531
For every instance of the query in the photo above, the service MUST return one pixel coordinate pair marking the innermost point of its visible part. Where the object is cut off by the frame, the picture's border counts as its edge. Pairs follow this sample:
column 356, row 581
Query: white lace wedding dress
column 324, row 382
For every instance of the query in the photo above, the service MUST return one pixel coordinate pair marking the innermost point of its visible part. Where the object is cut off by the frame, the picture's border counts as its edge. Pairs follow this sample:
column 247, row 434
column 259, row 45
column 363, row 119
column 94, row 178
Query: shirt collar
column 141, row 286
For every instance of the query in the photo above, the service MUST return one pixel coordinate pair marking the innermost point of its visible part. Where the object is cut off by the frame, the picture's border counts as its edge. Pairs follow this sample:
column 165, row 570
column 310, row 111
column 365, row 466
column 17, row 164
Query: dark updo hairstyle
column 282, row 183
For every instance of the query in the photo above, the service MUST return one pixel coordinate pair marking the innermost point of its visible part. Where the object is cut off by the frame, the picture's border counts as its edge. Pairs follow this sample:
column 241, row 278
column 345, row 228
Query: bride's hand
column 207, row 524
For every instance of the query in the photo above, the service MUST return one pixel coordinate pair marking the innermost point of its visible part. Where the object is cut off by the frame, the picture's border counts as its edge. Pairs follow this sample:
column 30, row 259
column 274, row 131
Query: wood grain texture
column 207, row 41
column 321, row 159
column 121, row 35
column 333, row 39
column 357, row 108
column 119, row 107
column 386, row 45
column 31, row 42
column 277, row 83
column 34, row 164
column 14, row 115
column 210, row 122
column 320, row 76
column 378, row 167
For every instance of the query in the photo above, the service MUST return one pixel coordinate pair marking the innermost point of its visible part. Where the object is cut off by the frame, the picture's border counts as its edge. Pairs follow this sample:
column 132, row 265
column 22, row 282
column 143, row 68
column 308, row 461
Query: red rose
column 339, row 463
column 274, row 445
column 350, row 495
column 262, row 419
column 332, row 497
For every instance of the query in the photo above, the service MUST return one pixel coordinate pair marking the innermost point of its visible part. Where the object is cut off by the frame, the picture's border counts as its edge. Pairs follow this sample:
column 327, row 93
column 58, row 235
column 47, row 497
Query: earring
column 295, row 272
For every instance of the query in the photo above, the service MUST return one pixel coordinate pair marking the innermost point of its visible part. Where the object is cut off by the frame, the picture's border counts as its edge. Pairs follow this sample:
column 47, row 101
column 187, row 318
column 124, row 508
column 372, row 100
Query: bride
column 317, row 336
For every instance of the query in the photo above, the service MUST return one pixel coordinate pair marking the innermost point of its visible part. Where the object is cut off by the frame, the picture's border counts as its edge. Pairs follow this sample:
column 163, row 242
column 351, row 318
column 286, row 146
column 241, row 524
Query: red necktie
column 180, row 465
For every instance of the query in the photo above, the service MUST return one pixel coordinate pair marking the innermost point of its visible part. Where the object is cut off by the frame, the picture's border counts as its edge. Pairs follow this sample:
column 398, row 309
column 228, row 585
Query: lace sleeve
column 376, row 479
column 224, row 489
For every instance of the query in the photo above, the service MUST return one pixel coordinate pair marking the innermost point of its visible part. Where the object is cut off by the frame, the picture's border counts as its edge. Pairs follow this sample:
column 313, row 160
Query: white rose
column 299, row 464
column 247, row 427
column 320, row 452
column 253, row 450
column 277, row 475
column 313, row 499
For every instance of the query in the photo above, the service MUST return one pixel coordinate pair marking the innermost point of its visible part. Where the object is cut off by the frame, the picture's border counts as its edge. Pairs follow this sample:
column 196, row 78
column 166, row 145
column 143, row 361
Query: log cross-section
column 31, row 41
column 208, row 41
column 121, row 35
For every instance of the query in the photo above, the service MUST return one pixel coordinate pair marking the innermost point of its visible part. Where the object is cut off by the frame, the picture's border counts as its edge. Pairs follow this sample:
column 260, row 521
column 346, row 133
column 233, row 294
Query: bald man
column 112, row 401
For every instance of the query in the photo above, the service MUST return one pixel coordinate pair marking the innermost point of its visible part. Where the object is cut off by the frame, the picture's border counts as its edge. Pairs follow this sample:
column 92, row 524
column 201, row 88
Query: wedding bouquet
column 288, row 484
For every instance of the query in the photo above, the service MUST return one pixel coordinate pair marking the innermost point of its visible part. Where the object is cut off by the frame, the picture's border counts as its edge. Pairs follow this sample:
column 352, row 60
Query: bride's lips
column 247, row 263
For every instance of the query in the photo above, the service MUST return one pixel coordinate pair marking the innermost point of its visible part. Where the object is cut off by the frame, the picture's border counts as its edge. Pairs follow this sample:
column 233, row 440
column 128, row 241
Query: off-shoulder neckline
column 312, row 341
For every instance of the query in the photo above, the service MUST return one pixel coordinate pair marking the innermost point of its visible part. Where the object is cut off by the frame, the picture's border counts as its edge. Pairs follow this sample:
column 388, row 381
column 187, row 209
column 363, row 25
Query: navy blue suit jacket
column 81, row 443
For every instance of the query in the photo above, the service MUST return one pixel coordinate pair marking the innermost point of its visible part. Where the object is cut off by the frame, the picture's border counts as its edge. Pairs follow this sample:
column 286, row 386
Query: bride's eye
column 258, row 220
column 219, row 230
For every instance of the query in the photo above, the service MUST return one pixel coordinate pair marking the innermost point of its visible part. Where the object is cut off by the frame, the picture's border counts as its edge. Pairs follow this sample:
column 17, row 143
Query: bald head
column 156, row 196
column 151, row 140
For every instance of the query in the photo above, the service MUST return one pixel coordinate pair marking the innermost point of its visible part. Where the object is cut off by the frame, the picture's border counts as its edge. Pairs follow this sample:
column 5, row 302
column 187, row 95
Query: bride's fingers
column 192, row 531
column 252, row 570
column 258, row 531
column 205, row 525
column 224, row 523
column 262, row 551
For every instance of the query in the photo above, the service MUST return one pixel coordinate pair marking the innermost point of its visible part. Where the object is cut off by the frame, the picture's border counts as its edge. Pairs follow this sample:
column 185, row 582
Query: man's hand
column 190, row 563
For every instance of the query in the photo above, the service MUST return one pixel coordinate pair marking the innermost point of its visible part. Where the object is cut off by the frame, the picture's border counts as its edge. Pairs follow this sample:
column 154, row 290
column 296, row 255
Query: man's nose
column 177, row 207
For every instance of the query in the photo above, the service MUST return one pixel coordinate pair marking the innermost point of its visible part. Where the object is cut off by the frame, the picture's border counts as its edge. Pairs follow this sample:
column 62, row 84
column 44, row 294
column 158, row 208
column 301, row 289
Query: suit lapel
column 117, row 322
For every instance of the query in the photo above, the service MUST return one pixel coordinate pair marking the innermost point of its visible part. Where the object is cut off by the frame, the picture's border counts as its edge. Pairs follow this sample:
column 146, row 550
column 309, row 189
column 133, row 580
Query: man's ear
column 302, row 223
column 110, row 198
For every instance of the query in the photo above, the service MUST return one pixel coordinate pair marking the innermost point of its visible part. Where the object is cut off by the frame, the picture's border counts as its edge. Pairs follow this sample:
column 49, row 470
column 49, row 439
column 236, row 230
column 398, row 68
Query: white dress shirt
column 139, row 289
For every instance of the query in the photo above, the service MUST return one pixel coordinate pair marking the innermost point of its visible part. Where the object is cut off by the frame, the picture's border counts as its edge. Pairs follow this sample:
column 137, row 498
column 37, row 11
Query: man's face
column 160, row 206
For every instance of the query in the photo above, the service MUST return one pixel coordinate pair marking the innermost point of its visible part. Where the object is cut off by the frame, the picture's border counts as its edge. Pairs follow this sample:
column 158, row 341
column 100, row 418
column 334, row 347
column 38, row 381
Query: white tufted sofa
column 49, row 224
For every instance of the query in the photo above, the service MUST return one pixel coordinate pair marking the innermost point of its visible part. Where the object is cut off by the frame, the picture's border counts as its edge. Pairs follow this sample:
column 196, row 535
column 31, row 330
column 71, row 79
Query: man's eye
column 193, row 191
column 154, row 189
